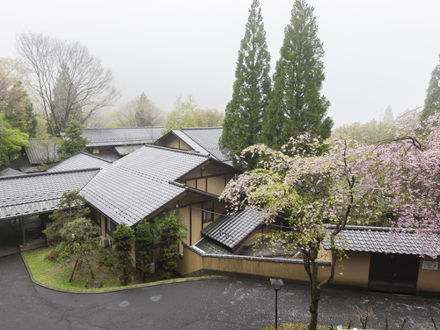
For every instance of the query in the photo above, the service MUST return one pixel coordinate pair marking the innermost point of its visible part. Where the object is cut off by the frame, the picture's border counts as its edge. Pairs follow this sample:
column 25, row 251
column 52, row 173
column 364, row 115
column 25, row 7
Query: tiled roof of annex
column 121, row 136
column 38, row 193
column 231, row 230
column 140, row 183
column 386, row 240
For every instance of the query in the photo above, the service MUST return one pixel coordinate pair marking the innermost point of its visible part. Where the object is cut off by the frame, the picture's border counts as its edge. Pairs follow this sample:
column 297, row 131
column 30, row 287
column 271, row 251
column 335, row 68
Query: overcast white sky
column 378, row 52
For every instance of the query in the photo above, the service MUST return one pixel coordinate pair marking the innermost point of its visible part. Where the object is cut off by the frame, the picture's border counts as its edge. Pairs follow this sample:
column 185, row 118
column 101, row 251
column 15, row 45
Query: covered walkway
column 8, row 239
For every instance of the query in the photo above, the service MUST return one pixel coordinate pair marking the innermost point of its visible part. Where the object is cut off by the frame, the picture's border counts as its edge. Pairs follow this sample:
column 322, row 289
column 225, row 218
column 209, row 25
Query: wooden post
column 23, row 231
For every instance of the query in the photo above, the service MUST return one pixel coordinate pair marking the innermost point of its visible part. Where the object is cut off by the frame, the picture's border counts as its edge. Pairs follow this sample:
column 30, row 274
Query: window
column 207, row 215
column 109, row 226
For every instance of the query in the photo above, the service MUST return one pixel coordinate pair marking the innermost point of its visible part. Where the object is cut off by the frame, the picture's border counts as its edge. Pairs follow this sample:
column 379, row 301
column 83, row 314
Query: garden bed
column 56, row 275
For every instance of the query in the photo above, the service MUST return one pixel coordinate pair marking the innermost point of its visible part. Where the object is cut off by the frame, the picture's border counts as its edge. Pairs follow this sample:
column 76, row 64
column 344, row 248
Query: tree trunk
column 73, row 271
column 315, row 294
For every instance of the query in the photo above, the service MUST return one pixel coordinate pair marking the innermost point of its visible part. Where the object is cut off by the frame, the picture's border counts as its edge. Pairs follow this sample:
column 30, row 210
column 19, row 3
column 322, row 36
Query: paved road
column 207, row 304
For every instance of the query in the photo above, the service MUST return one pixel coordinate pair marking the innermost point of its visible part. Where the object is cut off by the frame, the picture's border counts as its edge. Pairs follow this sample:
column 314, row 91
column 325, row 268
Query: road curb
column 140, row 286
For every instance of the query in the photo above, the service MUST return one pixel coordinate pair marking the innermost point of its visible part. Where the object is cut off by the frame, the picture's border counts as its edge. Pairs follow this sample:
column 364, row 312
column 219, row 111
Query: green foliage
column 14, row 101
column 252, row 88
column 79, row 239
column 432, row 100
column 170, row 230
column 73, row 141
column 123, row 239
column 144, row 247
column 11, row 142
column 297, row 105
column 186, row 113
column 140, row 112
column 70, row 207
column 368, row 133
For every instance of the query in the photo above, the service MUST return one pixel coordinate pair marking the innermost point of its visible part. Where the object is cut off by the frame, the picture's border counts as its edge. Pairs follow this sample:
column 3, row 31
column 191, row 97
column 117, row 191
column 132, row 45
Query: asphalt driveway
column 230, row 303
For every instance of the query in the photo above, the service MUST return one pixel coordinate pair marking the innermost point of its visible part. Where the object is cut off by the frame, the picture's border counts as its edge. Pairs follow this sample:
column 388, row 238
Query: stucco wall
column 428, row 280
column 192, row 262
column 353, row 271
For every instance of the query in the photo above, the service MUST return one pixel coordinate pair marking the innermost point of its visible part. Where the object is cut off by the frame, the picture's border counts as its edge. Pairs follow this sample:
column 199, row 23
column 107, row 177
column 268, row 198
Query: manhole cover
column 124, row 303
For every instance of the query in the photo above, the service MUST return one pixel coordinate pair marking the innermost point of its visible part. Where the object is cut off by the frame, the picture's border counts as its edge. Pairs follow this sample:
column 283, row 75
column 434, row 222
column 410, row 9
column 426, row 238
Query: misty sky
column 377, row 52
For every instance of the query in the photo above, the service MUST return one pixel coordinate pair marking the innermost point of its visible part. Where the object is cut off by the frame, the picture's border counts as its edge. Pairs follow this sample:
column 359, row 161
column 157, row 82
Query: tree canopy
column 186, row 113
column 432, row 100
column 296, row 105
column 12, row 141
column 139, row 112
column 242, row 126
column 68, row 82
column 73, row 142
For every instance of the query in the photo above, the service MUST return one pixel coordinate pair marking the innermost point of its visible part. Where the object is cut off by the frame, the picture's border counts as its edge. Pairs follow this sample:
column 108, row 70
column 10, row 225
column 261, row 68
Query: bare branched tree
column 68, row 81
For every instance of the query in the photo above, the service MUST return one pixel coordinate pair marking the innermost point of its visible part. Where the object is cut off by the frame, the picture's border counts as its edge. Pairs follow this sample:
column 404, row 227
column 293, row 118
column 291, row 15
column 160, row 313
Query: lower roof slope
column 231, row 230
column 10, row 172
column 42, row 151
column 208, row 138
column 80, row 161
column 140, row 183
column 386, row 240
column 37, row 193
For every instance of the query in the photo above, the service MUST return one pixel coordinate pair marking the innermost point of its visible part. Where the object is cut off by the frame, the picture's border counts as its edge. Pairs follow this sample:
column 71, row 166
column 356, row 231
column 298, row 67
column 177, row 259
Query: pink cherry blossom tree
column 309, row 192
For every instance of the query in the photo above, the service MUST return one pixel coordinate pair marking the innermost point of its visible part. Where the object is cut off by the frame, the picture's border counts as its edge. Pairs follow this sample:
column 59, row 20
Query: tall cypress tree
column 252, row 87
column 432, row 100
column 297, row 105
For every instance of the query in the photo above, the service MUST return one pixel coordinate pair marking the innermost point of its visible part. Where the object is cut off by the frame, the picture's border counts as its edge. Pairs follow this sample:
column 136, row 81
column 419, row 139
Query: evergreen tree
column 71, row 206
column 73, row 141
column 432, row 100
column 12, row 141
column 171, row 230
column 296, row 105
column 144, row 247
column 252, row 88
column 123, row 238
column 388, row 116
column 146, row 113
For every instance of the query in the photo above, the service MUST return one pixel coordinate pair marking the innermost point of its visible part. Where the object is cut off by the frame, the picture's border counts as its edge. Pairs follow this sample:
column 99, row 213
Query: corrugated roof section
column 121, row 136
column 36, row 193
column 231, row 230
column 138, row 184
column 79, row 162
column 42, row 151
column 386, row 240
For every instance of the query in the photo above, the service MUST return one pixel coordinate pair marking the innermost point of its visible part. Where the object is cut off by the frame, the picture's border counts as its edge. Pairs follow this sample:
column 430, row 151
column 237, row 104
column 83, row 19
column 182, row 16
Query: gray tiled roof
column 207, row 138
column 121, row 136
column 139, row 184
column 80, row 161
column 210, row 247
column 385, row 240
column 42, row 151
column 9, row 172
column 231, row 230
column 36, row 193
column 125, row 150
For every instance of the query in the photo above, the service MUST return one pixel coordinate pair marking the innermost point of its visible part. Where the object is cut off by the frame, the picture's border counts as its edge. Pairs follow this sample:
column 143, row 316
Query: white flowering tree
column 309, row 192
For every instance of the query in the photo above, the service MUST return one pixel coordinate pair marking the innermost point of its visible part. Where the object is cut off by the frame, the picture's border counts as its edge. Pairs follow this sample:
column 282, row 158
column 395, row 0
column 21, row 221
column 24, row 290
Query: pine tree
column 73, row 141
column 432, row 100
column 123, row 238
column 252, row 88
column 296, row 105
column 388, row 116
column 144, row 248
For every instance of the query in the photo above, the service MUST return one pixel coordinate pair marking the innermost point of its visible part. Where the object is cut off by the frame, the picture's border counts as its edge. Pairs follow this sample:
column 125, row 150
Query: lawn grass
column 56, row 275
